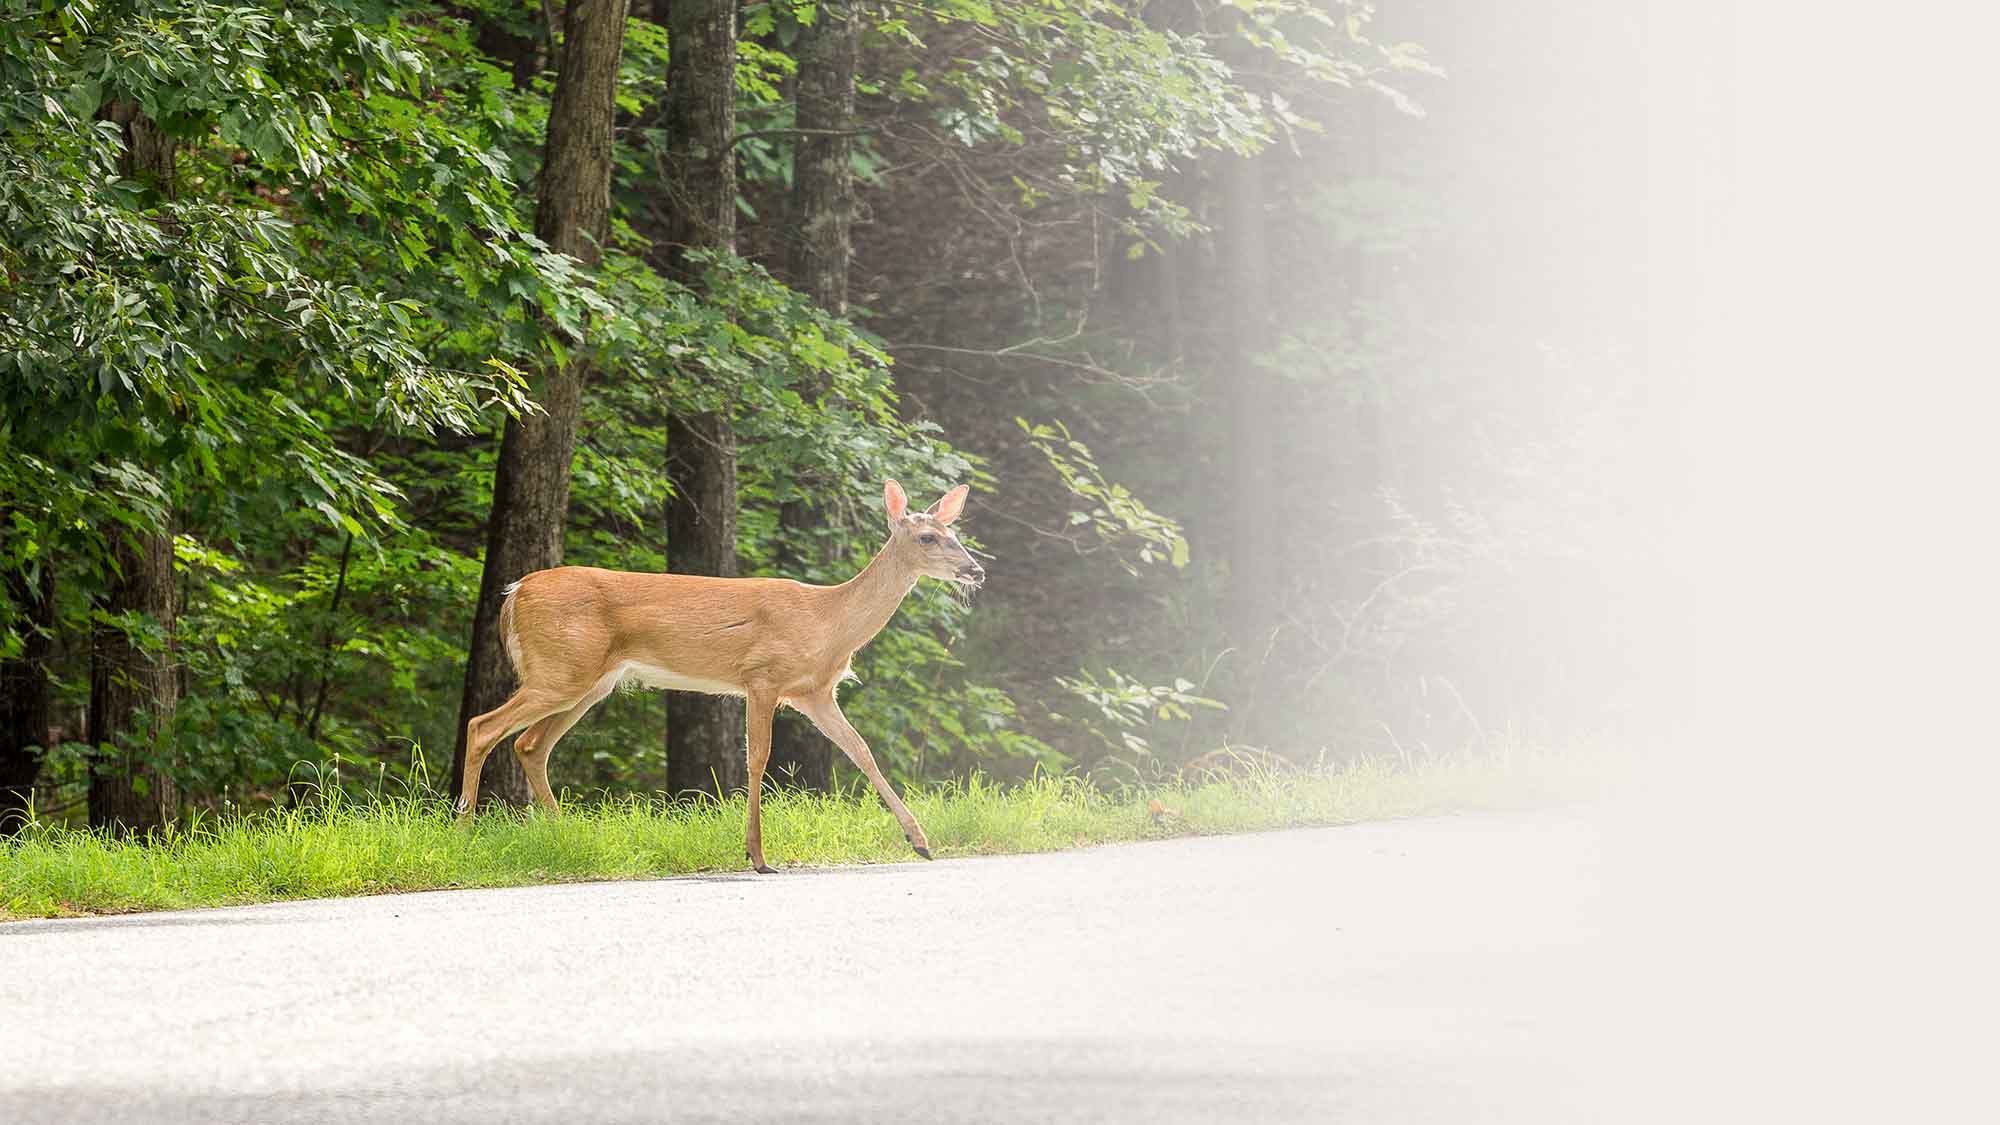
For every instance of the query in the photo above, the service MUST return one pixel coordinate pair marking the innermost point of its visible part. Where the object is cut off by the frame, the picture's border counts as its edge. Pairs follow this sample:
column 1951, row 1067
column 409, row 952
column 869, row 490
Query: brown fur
column 575, row 632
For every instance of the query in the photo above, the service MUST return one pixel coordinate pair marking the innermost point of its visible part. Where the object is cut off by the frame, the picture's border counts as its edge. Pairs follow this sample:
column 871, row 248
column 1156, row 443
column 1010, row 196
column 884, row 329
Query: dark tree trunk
column 24, row 693
column 819, row 248
column 700, row 120
column 704, row 732
column 133, row 690
column 573, row 210
column 149, row 153
column 519, row 50
column 531, row 483
column 817, row 254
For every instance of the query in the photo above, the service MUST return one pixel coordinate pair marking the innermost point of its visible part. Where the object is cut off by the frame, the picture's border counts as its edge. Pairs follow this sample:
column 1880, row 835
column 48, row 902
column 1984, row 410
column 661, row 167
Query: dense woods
column 1297, row 353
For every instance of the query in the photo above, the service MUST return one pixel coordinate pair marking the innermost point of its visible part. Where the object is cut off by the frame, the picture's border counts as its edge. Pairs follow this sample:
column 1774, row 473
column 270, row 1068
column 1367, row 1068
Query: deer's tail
column 510, row 637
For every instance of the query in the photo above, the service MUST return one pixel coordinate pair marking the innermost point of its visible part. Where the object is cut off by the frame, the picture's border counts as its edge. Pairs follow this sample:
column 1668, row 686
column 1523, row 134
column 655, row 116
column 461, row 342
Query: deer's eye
column 927, row 538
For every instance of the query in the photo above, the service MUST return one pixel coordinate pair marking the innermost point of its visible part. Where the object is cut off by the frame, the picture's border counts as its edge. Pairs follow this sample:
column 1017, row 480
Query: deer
column 575, row 633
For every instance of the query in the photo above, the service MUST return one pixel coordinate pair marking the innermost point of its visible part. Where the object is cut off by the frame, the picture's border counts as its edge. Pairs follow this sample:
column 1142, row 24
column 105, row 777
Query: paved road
column 1449, row 969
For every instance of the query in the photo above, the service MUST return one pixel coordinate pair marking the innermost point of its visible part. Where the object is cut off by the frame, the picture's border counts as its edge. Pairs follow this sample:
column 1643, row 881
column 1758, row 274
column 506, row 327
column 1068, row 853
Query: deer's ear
column 894, row 500
column 950, row 505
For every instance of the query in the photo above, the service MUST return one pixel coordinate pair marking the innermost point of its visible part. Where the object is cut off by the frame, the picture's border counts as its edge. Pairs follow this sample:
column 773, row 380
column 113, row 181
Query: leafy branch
column 1109, row 510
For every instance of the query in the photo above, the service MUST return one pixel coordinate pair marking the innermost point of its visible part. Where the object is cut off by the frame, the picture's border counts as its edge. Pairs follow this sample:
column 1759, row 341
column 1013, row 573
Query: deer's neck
column 869, row 599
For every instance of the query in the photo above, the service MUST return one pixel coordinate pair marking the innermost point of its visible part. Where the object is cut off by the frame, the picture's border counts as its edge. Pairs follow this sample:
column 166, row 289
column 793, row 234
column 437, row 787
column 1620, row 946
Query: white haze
column 1808, row 877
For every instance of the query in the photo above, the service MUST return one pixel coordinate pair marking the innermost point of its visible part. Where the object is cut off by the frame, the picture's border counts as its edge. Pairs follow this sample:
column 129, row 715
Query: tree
column 24, row 690
column 132, row 683
column 819, row 246
column 498, row 34
column 133, row 688
column 531, row 483
column 704, row 733
column 818, row 249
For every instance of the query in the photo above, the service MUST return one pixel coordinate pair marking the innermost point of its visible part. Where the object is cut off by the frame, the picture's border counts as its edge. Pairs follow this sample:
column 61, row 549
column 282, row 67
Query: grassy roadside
column 407, row 845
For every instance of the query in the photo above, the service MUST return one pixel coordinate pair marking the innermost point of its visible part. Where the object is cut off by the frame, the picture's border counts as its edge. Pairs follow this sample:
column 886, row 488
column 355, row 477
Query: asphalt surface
column 1452, row 969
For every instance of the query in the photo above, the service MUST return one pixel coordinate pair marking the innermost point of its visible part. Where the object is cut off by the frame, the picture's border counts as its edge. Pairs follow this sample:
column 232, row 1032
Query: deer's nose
column 973, row 571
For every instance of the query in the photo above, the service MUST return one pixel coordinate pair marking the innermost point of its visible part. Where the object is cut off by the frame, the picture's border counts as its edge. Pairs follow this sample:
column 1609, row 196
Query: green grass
column 402, row 844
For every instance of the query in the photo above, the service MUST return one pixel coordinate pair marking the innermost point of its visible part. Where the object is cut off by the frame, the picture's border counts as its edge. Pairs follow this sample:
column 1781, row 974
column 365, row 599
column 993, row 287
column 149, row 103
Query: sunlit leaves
column 341, row 249
column 1123, row 713
column 1115, row 518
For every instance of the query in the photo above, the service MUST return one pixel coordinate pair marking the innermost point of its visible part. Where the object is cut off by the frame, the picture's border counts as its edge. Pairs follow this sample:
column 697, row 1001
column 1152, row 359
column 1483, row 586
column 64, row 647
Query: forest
column 1298, row 353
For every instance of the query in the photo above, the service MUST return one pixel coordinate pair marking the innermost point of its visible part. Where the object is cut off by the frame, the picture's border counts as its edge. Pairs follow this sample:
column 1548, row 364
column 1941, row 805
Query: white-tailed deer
column 574, row 633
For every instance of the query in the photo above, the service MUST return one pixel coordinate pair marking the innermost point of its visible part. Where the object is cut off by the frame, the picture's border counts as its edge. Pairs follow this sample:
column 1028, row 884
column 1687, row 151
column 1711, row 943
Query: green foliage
column 329, row 661
column 1117, row 518
column 295, row 350
column 337, row 260
column 126, row 300
column 1098, row 101
column 923, row 719
column 175, row 340
column 1125, row 715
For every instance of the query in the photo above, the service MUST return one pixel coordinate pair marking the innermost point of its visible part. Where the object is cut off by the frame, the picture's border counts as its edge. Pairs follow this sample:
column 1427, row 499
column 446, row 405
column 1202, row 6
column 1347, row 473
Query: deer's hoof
column 766, row 869
column 921, row 850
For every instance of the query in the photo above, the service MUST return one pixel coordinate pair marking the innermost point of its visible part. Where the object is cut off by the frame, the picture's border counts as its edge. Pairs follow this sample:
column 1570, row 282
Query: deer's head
column 925, row 539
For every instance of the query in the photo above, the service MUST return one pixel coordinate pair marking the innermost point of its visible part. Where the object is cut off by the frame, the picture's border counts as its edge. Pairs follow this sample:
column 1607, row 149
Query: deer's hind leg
column 539, row 741
column 524, row 708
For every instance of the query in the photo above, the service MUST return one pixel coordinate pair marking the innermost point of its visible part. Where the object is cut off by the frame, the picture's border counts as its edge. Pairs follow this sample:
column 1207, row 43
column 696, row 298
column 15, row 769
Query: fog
column 1811, row 854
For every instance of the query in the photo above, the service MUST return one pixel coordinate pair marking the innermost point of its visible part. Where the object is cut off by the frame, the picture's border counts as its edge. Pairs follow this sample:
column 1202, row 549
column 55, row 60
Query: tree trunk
column 133, row 690
column 819, row 247
column 817, row 257
column 704, row 733
column 531, row 482
column 520, row 53
column 149, row 153
column 24, row 694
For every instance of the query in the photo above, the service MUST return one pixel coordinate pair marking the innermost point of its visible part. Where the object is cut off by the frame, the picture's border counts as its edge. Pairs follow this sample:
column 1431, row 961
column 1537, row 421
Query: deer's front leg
column 825, row 714
column 759, row 721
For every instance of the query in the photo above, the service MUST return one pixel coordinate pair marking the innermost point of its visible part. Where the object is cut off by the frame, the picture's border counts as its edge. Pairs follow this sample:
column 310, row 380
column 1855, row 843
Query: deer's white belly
column 634, row 673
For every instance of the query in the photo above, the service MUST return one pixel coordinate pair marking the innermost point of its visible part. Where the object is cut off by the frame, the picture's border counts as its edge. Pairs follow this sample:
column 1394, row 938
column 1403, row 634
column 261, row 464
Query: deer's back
column 684, row 631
